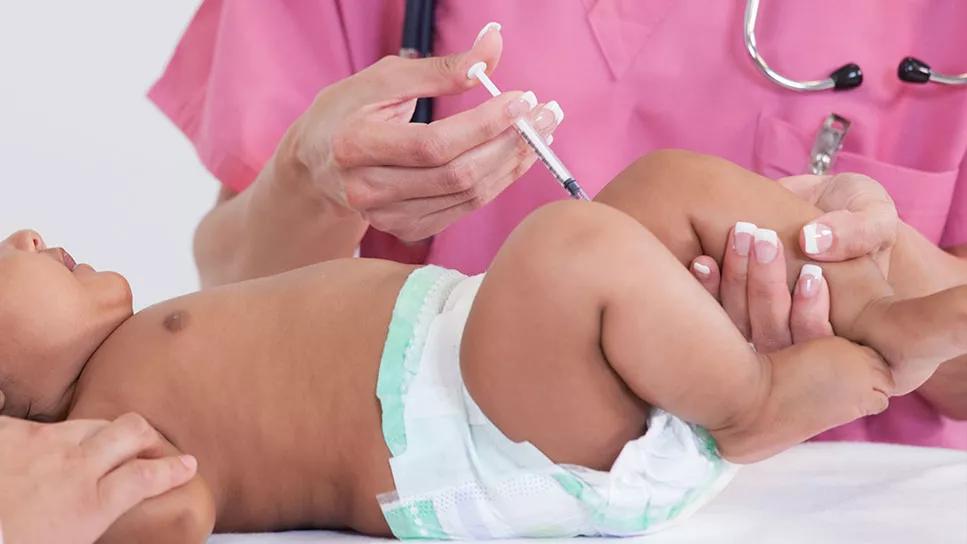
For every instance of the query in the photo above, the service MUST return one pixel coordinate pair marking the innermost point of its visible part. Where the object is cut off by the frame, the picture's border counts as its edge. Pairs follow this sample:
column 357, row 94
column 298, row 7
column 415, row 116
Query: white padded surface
column 817, row 492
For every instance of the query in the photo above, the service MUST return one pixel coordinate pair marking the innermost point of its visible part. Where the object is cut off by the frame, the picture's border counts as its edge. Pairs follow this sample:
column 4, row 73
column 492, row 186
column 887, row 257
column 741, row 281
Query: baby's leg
column 691, row 201
column 585, row 320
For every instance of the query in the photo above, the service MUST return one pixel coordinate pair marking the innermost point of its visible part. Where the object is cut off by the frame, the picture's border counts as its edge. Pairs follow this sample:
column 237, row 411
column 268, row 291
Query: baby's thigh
column 531, row 354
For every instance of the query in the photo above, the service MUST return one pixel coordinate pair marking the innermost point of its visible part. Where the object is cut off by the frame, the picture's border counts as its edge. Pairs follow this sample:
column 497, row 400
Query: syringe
column 526, row 130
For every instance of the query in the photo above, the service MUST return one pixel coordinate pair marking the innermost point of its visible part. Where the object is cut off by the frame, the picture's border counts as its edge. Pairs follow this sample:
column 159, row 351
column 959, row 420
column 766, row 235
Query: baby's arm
column 185, row 515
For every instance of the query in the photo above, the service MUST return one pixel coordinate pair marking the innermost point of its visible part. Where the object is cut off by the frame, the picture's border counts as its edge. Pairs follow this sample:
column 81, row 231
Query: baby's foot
column 917, row 334
column 814, row 386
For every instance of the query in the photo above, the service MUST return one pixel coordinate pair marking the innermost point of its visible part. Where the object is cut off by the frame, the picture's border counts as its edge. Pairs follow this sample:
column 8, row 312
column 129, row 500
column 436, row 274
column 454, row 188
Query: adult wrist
column 291, row 221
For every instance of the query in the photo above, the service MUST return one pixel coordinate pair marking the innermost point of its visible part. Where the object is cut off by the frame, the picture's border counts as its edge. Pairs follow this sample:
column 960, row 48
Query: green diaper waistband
column 416, row 305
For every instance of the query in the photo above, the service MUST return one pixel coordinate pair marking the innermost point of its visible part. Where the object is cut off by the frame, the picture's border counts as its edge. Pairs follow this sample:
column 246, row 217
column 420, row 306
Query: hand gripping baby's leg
column 691, row 201
column 585, row 319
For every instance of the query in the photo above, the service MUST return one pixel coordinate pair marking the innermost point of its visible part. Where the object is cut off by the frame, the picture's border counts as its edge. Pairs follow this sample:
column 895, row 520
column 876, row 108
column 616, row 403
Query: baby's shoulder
column 145, row 364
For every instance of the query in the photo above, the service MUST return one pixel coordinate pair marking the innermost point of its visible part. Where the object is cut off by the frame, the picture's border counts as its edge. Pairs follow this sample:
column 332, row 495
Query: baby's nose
column 27, row 240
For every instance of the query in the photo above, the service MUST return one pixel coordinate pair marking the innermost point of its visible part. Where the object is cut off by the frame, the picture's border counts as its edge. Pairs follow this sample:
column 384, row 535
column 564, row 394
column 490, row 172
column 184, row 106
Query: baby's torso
column 271, row 385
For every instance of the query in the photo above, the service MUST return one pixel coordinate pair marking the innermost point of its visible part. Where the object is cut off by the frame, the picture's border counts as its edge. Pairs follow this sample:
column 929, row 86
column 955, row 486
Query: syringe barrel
column 544, row 152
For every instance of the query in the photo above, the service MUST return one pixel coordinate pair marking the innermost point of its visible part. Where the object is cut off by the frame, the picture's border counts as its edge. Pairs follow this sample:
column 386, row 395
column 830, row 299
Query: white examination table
column 815, row 493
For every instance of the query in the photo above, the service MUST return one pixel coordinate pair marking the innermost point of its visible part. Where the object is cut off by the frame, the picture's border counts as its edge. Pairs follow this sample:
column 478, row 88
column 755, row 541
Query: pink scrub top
column 632, row 76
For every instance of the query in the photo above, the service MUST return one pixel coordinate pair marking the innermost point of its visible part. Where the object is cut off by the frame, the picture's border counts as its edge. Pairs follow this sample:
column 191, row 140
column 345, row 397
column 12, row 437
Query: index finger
column 381, row 143
column 734, row 276
column 141, row 479
column 125, row 438
column 75, row 431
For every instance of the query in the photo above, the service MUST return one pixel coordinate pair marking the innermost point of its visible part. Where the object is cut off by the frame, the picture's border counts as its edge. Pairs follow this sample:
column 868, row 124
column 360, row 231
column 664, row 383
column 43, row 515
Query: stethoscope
column 417, row 42
column 418, row 29
column 845, row 77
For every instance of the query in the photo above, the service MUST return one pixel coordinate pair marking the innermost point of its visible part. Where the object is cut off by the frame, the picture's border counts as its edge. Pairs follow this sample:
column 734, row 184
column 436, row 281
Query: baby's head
column 53, row 316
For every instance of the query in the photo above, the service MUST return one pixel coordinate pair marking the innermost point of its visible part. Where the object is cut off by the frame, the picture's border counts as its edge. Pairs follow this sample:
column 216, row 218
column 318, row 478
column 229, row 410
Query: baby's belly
column 312, row 456
column 271, row 385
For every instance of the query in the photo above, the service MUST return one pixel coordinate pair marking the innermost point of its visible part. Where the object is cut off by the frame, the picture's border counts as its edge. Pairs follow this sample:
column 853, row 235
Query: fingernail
column 550, row 139
column 487, row 28
column 556, row 109
column 766, row 245
column 190, row 462
column 742, row 237
column 701, row 269
column 530, row 98
column 817, row 238
column 544, row 120
column 810, row 276
column 522, row 105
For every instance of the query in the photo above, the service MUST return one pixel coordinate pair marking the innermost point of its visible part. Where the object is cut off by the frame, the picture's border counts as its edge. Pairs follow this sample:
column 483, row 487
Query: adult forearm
column 279, row 223
column 918, row 268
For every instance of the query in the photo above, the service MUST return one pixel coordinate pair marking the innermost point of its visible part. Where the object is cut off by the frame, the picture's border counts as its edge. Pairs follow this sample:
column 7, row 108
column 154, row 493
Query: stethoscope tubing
column 751, row 14
column 846, row 77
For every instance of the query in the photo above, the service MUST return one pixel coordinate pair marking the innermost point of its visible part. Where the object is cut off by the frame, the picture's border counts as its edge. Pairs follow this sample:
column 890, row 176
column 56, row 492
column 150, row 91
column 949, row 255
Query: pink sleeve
column 955, row 231
column 244, row 71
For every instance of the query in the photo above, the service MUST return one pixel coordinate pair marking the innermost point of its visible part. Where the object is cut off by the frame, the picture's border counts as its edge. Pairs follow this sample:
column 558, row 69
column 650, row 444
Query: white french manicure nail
column 809, row 237
column 477, row 68
column 530, row 98
column 742, row 237
column 812, row 270
column 768, row 236
column 550, row 139
column 701, row 268
column 556, row 110
column 817, row 238
column 487, row 28
column 745, row 228
column 810, row 277
column 766, row 245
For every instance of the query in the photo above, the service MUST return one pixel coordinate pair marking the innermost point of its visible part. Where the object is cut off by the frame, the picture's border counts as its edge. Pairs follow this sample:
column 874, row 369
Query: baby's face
column 54, row 314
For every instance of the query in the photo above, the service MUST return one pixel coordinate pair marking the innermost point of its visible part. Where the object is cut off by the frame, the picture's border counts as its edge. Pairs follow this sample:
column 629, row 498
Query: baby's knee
column 582, row 232
column 660, row 177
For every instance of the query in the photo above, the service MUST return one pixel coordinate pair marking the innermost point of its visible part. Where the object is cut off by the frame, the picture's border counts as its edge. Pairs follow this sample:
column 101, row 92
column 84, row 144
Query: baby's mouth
column 69, row 261
column 60, row 254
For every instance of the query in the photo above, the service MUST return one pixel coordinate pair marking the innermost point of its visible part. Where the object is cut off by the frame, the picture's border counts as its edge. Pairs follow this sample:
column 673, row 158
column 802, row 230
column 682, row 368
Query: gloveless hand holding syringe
column 530, row 135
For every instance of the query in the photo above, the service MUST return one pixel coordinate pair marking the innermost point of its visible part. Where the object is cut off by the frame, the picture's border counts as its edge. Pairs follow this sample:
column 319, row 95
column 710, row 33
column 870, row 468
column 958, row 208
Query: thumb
column 842, row 235
column 807, row 186
column 396, row 79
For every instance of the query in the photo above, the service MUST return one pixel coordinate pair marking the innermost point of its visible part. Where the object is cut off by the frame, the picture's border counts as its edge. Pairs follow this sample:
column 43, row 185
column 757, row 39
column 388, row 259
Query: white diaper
column 458, row 477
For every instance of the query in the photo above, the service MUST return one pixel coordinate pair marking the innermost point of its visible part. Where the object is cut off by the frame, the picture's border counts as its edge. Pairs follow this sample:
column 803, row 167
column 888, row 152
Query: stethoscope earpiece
column 913, row 70
column 847, row 76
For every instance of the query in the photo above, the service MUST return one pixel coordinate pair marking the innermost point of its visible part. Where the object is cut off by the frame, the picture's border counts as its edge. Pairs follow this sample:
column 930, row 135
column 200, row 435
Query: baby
column 586, row 385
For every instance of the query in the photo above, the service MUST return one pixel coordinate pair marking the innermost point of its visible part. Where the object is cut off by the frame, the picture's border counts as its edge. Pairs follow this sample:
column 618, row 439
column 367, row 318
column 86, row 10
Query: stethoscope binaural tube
column 417, row 42
column 845, row 77
column 914, row 70
column 848, row 76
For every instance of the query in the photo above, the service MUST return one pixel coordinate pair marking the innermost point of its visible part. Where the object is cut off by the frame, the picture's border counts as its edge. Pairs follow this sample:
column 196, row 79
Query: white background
column 85, row 158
